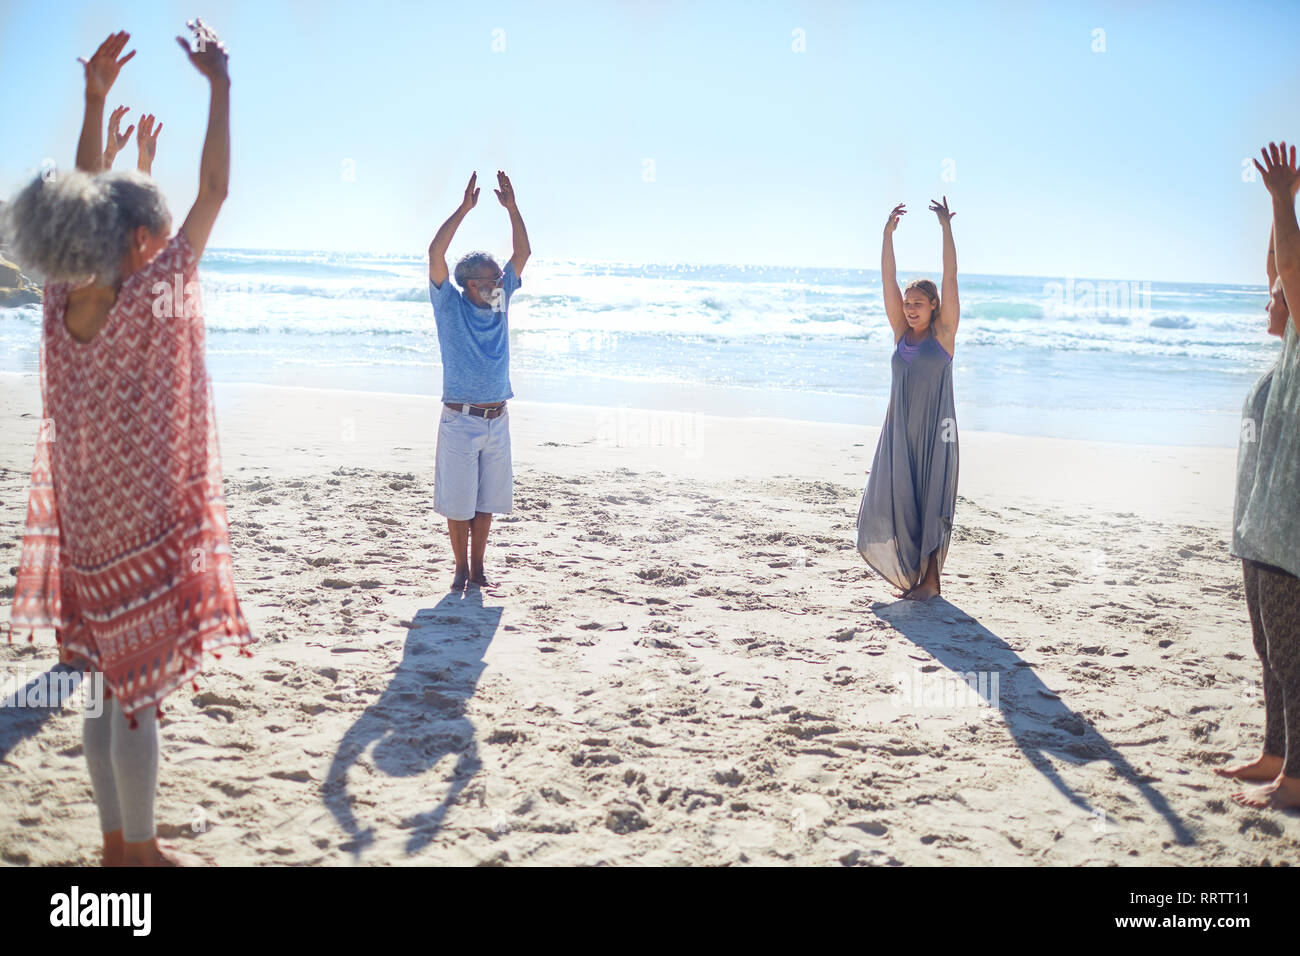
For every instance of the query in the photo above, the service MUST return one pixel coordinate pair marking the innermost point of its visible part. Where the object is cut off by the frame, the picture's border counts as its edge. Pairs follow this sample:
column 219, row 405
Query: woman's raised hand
column 102, row 68
column 1278, row 172
column 941, row 210
column 116, row 138
column 209, row 54
column 147, row 141
column 894, row 215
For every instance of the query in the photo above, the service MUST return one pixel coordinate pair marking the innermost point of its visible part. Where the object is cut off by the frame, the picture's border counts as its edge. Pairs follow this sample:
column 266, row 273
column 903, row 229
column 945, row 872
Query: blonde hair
column 931, row 292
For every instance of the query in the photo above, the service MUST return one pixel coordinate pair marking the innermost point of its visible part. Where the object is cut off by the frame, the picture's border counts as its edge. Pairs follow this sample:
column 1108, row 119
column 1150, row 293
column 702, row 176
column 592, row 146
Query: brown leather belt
column 479, row 411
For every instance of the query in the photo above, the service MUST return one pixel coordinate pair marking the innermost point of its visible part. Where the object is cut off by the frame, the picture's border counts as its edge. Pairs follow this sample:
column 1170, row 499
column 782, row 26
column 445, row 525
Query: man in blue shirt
column 473, row 476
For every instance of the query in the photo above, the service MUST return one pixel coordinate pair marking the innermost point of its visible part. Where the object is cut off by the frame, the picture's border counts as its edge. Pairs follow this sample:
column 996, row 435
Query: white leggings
column 123, row 769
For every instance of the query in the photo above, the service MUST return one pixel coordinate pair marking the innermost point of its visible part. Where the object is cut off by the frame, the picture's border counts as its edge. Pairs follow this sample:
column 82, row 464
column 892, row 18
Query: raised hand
column 506, row 194
column 116, row 138
column 147, row 142
column 471, row 193
column 1278, row 172
column 895, row 214
column 942, row 211
column 103, row 66
column 209, row 54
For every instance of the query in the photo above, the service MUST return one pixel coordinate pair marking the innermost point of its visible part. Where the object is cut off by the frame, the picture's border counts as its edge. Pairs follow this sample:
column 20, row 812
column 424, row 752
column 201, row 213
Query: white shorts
column 472, row 470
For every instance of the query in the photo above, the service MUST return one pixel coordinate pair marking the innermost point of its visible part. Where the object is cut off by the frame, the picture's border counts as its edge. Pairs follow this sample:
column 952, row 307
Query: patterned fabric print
column 1274, row 720
column 127, row 549
column 1279, row 613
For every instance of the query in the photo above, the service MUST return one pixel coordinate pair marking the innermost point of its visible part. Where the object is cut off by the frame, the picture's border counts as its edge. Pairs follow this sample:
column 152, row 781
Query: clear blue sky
column 1124, row 163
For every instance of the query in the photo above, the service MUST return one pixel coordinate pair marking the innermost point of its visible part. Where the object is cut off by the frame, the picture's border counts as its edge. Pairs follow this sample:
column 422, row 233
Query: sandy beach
column 685, row 660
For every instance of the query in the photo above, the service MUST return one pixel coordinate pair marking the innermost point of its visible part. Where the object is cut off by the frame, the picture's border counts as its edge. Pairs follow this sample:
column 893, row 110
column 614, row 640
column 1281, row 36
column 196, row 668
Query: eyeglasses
column 495, row 280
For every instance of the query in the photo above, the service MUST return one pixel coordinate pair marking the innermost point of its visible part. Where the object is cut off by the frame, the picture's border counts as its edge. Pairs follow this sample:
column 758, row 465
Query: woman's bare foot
column 923, row 592
column 929, row 586
column 114, row 849
column 156, row 853
column 478, row 576
column 1266, row 767
column 461, row 579
column 1282, row 794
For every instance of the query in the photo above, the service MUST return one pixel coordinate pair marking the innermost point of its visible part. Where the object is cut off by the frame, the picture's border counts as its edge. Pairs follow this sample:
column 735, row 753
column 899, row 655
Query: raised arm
column 442, row 238
column 889, row 274
column 147, row 143
column 519, row 235
column 1281, row 179
column 949, row 305
column 101, row 70
column 210, row 58
column 116, row 138
column 1270, row 264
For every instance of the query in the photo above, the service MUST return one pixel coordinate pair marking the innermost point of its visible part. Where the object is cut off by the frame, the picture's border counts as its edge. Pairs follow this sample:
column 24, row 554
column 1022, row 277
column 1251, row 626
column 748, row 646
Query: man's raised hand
column 471, row 193
column 506, row 192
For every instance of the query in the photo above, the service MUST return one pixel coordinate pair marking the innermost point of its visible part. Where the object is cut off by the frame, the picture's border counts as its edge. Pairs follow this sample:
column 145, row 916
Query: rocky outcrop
column 16, row 288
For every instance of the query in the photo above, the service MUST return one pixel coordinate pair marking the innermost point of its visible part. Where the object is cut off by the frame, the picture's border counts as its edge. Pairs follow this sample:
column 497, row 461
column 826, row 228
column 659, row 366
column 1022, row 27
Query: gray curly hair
column 471, row 263
column 73, row 225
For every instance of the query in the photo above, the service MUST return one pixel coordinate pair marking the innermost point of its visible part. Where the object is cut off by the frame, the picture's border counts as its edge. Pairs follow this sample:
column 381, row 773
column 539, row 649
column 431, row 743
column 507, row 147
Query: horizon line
column 749, row 265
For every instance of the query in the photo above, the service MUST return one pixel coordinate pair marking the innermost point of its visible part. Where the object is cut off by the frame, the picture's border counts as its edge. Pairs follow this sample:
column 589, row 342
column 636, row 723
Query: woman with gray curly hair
column 126, row 552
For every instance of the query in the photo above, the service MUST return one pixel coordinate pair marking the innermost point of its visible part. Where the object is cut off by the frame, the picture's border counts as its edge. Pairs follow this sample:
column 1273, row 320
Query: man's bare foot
column 480, row 580
column 1282, row 794
column 922, row 592
column 460, row 580
column 1267, row 767
column 156, row 853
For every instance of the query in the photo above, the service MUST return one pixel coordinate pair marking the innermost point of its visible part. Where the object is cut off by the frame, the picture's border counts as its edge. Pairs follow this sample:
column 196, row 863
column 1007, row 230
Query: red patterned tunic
column 126, row 549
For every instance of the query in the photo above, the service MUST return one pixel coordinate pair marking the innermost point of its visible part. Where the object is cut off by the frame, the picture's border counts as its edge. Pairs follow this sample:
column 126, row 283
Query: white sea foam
column 1024, row 344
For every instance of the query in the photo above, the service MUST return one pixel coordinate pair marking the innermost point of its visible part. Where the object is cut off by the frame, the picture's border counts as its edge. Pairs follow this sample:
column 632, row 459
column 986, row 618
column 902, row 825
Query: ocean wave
column 1172, row 322
column 358, row 296
column 404, row 293
column 1002, row 310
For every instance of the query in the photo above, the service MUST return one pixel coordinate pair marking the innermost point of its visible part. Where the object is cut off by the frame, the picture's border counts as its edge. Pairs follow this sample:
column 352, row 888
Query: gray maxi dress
column 911, row 495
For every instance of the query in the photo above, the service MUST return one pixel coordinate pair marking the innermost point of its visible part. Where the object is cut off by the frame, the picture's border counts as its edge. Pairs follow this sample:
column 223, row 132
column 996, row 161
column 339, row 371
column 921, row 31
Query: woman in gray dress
column 905, row 519
column 1268, row 764
column 1266, row 525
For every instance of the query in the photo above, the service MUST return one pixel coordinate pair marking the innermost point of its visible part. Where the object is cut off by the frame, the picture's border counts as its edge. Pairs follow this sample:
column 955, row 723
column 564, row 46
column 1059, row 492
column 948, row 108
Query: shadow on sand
column 25, row 709
column 1039, row 721
column 420, row 717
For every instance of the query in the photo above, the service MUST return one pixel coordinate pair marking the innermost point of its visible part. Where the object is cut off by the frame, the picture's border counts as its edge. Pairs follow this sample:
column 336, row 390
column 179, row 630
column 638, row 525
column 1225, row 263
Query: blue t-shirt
column 475, row 343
